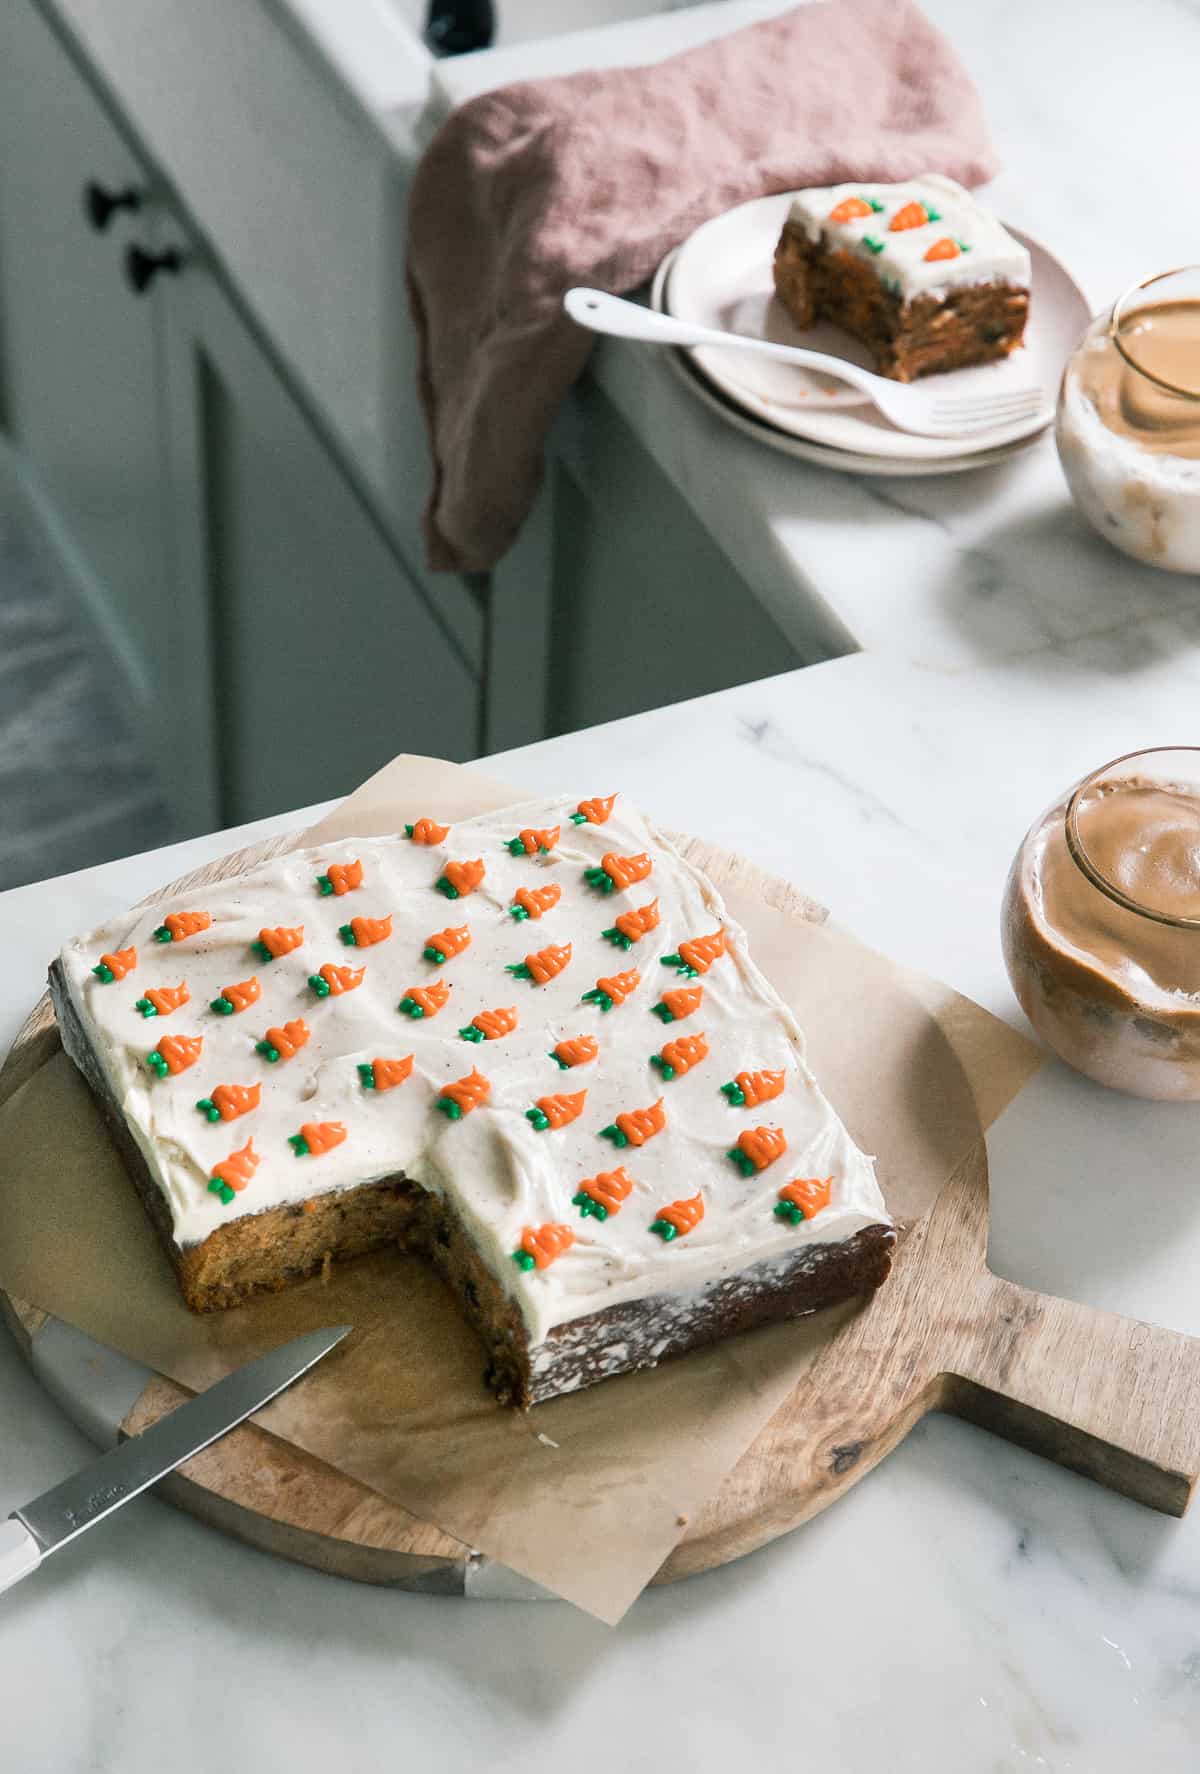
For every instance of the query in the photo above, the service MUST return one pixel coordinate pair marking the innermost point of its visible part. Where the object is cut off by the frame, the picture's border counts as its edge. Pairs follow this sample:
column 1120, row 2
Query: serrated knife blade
column 54, row 1519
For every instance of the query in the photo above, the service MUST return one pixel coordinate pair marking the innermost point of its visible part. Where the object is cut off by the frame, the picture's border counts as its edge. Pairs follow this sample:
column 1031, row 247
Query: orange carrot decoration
column 421, row 1001
column 444, row 943
column 162, row 1000
column 913, row 215
column 637, row 1126
column 618, row 871
column 363, row 933
column 697, row 954
column 630, row 927
column 543, row 1245
column 544, row 965
column 385, row 1074
column 279, row 941
column 750, row 1089
column 332, row 980
column 851, row 208
column 803, row 1199
column 531, row 902
column 228, row 1101
column 680, row 1055
column 460, row 878
column 603, row 1194
column 490, row 1025
column 945, row 248
column 529, row 842
column 675, row 1005
column 579, row 1051
column 341, row 877
column 316, row 1138
column 285, row 1042
column 233, row 1173
column 758, row 1147
column 178, row 926
column 594, row 811
column 556, row 1111
column 427, row 831
column 613, row 990
column 175, row 1053
column 679, row 1219
column 115, row 965
column 465, row 1094
column 238, row 997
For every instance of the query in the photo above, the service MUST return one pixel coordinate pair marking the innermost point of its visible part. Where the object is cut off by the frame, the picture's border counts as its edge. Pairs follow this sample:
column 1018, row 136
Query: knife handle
column 19, row 1552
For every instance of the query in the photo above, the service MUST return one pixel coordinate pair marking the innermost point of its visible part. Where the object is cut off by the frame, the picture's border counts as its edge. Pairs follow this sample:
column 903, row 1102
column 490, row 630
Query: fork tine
column 987, row 415
column 985, row 421
column 969, row 428
column 1023, row 400
column 1011, row 400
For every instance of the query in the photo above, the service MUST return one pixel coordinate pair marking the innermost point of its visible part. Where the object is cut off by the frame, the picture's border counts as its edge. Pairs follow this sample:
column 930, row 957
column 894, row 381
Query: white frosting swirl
column 501, row 1174
column 992, row 255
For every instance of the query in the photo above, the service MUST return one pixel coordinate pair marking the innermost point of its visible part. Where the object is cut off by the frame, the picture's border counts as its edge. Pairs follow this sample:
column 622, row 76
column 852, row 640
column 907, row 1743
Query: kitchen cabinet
column 325, row 661
column 263, row 628
column 78, row 372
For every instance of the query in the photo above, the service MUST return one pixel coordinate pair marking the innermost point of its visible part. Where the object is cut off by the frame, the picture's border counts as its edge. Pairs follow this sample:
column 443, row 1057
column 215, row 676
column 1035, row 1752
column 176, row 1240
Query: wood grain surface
column 1109, row 1397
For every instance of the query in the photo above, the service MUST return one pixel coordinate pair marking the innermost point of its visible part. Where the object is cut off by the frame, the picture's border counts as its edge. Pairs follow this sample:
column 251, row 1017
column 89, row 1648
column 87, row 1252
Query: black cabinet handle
column 455, row 27
column 142, row 267
column 100, row 204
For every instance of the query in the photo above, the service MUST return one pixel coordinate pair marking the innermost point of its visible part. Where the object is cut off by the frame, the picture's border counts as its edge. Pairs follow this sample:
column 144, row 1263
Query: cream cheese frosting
column 987, row 252
column 502, row 1175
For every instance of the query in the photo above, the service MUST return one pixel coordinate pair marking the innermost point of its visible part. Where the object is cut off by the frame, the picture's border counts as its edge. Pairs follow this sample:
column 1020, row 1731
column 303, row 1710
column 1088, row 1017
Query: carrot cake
column 531, row 1046
column 920, row 272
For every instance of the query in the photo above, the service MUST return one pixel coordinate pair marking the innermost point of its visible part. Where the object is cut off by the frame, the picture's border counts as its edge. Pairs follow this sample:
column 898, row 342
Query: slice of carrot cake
column 920, row 272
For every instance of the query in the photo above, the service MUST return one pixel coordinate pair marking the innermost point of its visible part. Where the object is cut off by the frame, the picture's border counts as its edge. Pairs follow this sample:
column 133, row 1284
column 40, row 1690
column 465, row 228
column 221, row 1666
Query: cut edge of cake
column 919, row 272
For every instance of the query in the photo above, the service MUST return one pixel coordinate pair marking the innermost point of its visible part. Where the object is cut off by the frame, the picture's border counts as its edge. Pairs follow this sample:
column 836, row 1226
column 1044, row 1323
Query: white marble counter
column 1093, row 110
column 966, row 1608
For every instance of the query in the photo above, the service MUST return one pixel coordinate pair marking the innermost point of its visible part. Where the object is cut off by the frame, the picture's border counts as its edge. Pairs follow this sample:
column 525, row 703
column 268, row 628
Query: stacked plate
column 721, row 277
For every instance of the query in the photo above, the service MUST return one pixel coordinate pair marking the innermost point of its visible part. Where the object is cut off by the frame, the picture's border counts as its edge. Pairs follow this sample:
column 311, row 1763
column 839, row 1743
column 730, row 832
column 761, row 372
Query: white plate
column 721, row 277
column 848, row 461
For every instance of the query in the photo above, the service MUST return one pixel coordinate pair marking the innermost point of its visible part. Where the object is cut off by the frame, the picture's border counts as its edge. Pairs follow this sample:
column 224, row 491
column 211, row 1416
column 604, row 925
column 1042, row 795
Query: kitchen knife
column 44, row 1526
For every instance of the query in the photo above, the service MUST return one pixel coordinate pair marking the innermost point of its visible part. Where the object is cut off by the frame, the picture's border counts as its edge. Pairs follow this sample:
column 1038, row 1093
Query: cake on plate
column 531, row 1047
column 920, row 272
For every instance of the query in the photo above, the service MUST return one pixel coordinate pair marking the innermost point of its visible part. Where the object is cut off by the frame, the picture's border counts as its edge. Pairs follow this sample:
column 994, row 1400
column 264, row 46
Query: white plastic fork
column 923, row 410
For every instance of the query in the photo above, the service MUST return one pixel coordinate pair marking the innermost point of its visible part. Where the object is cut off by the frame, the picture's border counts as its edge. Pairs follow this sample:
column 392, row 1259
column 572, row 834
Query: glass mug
column 1128, row 422
column 1101, row 924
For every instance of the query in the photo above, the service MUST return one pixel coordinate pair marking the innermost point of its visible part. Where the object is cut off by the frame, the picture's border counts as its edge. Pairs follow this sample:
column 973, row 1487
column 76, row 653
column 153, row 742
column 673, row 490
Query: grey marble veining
column 967, row 1608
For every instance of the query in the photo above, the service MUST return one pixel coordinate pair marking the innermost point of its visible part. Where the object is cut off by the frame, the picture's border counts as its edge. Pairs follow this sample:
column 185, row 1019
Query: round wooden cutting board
column 1104, row 1395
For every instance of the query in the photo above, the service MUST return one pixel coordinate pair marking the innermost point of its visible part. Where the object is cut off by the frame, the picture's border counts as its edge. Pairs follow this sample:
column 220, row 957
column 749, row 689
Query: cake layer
column 626, row 1175
column 929, row 333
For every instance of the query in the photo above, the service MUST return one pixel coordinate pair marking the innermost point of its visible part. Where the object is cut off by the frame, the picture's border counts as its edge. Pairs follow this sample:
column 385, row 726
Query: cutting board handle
column 1104, row 1395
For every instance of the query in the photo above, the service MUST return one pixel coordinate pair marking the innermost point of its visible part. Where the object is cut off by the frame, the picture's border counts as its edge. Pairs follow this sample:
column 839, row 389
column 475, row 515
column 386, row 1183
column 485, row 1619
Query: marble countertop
column 968, row 1606
column 992, row 564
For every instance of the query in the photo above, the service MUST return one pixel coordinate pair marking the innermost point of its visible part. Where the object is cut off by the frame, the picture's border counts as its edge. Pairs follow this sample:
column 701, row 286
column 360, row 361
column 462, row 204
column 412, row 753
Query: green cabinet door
column 78, row 349
column 326, row 657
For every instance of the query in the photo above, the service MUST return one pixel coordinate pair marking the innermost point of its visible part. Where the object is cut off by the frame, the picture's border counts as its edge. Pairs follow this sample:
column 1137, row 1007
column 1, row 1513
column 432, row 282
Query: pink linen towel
column 592, row 178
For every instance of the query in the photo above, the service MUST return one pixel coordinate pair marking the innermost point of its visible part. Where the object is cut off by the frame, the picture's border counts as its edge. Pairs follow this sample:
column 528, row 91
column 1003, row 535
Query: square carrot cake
column 920, row 272
column 532, row 1047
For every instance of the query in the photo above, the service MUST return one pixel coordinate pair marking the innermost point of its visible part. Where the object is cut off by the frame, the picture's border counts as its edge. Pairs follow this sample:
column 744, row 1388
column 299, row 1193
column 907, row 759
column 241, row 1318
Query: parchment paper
column 586, row 1495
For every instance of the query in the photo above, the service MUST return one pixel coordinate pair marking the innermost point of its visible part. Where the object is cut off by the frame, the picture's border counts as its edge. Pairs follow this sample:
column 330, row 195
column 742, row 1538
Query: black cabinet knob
column 455, row 27
column 142, row 267
column 100, row 204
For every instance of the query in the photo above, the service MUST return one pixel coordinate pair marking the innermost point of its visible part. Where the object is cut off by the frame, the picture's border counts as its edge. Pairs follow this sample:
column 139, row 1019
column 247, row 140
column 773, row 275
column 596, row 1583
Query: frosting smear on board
column 525, row 1069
